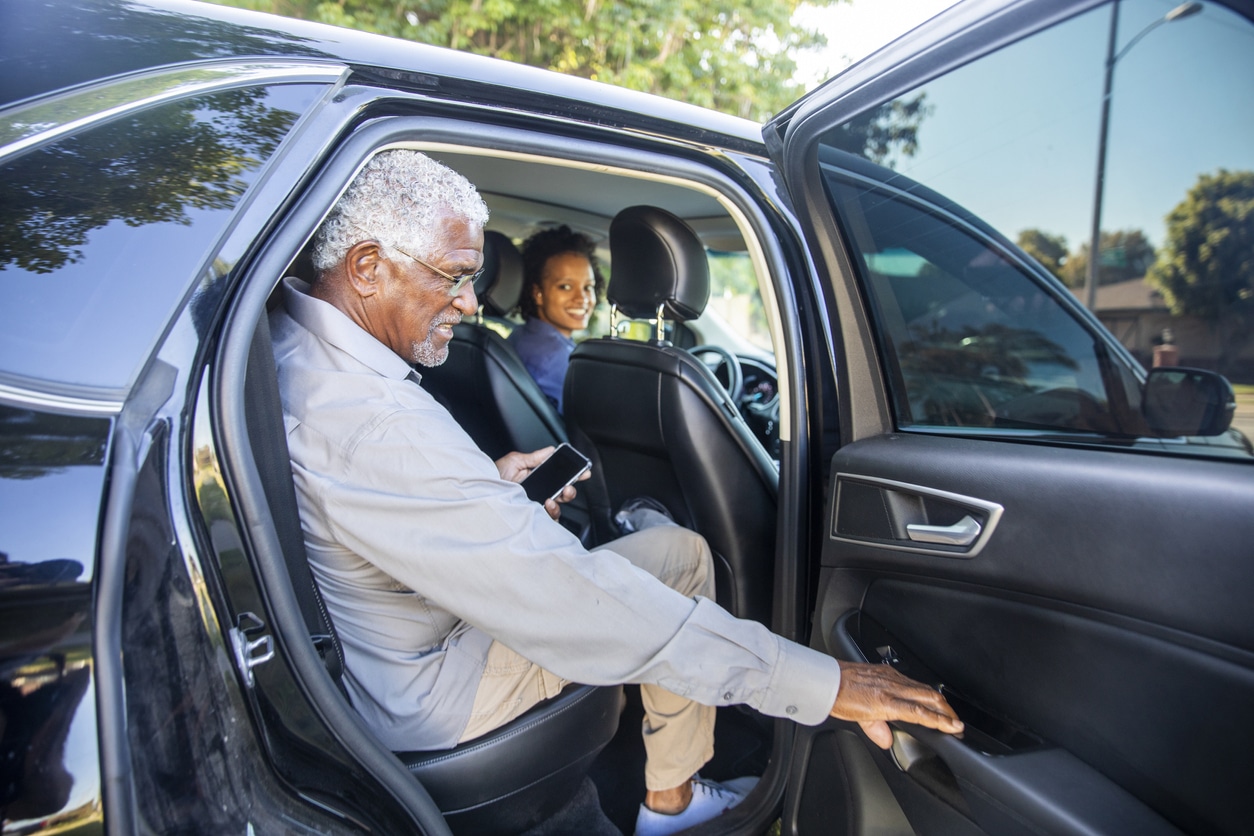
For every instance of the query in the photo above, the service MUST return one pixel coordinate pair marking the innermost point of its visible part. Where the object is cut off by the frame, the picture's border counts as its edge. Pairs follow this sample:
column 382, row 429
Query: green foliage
column 734, row 293
column 1049, row 250
column 1125, row 254
column 1207, row 267
column 735, row 57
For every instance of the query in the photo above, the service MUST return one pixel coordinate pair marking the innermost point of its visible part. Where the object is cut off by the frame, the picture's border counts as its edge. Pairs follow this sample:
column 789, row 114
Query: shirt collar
column 331, row 325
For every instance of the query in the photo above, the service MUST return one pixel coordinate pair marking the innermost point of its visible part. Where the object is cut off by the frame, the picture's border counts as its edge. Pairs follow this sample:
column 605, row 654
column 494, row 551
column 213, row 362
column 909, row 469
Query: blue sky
column 1014, row 137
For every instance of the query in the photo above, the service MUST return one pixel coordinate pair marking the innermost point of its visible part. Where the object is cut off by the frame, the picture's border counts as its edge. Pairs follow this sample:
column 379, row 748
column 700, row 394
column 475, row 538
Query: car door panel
column 1099, row 696
column 1096, row 633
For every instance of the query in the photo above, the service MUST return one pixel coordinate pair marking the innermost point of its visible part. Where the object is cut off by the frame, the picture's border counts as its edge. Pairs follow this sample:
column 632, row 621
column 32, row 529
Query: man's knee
column 689, row 566
column 677, row 556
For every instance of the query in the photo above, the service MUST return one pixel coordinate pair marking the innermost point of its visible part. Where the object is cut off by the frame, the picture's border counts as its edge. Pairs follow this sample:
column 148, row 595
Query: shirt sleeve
column 430, row 509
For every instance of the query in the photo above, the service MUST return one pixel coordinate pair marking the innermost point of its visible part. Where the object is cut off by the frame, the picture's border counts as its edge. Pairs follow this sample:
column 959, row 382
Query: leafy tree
column 1207, row 265
column 1049, row 250
column 735, row 57
column 1125, row 254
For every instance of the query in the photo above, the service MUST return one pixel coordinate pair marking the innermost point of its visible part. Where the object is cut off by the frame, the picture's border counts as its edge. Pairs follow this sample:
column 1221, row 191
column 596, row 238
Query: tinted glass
column 103, row 232
column 973, row 340
column 1021, row 139
column 734, row 296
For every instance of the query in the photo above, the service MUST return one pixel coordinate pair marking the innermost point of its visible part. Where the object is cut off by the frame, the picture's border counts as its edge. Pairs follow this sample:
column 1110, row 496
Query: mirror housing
column 1180, row 401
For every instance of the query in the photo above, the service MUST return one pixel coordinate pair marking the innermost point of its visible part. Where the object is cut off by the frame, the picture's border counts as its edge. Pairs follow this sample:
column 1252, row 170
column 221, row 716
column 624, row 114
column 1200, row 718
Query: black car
column 906, row 440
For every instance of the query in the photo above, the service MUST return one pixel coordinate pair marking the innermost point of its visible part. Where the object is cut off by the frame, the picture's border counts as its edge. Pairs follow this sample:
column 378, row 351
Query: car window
column 87, row 221
column 972, row 339
column 1020, row 138
column 736, row 299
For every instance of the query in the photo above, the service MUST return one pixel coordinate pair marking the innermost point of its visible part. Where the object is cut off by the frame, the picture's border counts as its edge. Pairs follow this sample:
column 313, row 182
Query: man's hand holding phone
column 548, row 475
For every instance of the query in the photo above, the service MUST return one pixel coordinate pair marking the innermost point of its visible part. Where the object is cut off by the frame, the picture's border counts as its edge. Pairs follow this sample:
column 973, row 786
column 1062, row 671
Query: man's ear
column 366, row 267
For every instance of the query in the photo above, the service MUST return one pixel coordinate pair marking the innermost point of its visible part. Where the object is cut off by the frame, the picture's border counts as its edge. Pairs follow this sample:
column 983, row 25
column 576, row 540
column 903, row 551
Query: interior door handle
column 961, row 533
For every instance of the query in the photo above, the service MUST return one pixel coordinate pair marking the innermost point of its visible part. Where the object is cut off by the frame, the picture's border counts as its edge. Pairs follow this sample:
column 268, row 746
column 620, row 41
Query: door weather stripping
column 250, row 653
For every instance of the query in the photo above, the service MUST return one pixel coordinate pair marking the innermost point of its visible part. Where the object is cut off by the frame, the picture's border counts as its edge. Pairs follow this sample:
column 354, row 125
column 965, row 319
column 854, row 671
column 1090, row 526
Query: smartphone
column 556, row 472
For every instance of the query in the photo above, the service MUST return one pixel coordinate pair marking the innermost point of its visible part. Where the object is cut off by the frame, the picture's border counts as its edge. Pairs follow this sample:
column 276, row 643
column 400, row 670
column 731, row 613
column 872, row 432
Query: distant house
column 1137, row 315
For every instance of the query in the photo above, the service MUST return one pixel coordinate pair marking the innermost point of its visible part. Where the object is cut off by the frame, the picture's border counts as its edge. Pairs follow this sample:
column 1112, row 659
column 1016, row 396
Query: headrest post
column 659, row 325
column 613, row 320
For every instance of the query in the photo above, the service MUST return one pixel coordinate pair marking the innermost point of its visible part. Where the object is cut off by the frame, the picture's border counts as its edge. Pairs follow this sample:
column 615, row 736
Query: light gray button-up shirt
column 424, row 554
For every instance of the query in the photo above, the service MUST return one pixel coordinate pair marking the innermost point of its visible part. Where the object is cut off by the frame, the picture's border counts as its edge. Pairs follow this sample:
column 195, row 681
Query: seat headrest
column 656, row 259
column 500, row 285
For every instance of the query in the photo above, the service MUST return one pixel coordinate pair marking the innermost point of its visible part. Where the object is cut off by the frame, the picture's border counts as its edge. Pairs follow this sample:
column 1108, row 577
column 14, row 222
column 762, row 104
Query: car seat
column 657, row 423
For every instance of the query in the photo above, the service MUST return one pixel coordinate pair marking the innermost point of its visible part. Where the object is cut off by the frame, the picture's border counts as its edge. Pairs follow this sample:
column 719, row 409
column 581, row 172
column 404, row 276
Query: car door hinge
column 249, row 652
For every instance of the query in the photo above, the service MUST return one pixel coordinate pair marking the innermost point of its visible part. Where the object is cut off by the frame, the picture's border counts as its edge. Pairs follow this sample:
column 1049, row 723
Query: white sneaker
column 709, row 799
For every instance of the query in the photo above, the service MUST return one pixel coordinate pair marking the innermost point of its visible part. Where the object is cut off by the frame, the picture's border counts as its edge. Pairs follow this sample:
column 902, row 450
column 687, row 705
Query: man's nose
column 465, row 302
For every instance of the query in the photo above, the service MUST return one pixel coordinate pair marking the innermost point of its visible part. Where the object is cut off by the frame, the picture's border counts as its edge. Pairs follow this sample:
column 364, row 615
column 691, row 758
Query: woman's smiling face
column 567, row 292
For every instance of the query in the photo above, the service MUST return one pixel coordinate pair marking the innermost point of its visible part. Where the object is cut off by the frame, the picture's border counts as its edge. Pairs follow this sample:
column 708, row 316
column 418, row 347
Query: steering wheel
column 735, row 375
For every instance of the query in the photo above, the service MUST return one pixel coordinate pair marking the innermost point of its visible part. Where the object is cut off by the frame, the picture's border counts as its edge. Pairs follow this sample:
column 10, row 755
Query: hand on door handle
column 871, row 695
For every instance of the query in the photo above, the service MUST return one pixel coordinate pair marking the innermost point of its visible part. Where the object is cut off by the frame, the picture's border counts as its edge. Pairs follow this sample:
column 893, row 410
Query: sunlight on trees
column 1125, row 254
column 1205, row 269
column 737, row 58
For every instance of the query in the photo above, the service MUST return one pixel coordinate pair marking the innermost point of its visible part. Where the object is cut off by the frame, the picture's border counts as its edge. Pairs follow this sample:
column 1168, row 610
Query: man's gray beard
column 426, row 354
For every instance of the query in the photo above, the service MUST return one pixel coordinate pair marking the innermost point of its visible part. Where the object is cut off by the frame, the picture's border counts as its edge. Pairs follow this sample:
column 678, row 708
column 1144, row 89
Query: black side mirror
column 1180, row 401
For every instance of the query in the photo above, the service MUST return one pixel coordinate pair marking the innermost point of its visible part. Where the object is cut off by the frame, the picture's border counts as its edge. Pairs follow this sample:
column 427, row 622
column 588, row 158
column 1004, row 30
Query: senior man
column 460, row 603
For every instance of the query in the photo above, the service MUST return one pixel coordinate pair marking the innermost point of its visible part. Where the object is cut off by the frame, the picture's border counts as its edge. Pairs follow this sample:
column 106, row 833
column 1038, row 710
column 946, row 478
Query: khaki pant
column 678, row 733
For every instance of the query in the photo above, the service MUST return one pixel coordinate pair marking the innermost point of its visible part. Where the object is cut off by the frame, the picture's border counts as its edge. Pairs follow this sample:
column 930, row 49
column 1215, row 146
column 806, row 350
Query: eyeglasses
column 455, row 284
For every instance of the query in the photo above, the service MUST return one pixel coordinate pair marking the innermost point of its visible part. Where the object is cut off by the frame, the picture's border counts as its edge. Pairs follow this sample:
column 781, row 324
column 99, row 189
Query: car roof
column 98, row 39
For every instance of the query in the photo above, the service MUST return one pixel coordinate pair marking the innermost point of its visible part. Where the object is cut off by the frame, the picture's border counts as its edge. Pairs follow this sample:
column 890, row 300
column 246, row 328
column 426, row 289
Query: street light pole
column 1095, row 236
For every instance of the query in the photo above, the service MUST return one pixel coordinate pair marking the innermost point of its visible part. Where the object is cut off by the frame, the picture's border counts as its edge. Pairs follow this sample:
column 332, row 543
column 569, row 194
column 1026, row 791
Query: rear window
column 102, row 233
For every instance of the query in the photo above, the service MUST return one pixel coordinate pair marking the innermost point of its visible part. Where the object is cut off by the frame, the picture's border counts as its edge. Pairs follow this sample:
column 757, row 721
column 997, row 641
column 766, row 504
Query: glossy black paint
column 172, row 698
column 139, row 35
column 111, row 260
column 52, row 476
column 193, row 748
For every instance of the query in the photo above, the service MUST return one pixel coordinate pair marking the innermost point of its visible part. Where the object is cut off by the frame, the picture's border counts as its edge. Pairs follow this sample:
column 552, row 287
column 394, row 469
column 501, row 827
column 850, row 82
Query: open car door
column 1009, row 517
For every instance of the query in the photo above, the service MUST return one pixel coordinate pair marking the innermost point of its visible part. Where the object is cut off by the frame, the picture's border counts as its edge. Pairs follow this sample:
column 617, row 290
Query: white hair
column 396, row 199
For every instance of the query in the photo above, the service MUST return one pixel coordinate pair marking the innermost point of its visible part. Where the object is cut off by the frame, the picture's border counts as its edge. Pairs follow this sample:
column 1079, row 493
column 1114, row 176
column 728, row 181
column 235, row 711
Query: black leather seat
column 519, row 775
column 502, row 783
column 656, row 422
column 483, row 383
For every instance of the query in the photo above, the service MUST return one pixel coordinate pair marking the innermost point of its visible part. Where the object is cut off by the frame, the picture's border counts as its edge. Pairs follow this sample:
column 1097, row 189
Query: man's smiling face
column 415, row 314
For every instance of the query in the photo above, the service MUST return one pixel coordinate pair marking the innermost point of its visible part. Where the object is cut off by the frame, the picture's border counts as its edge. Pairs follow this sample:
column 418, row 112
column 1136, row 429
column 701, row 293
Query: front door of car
column 1003, row 519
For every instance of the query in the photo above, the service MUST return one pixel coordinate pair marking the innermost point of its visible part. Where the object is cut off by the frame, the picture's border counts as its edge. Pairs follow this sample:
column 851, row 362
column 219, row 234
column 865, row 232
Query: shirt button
column 728, row 695
column 790, row 710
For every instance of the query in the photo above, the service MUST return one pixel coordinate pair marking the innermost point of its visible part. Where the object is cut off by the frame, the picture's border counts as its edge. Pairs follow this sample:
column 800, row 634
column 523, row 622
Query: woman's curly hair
column 543, row 245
